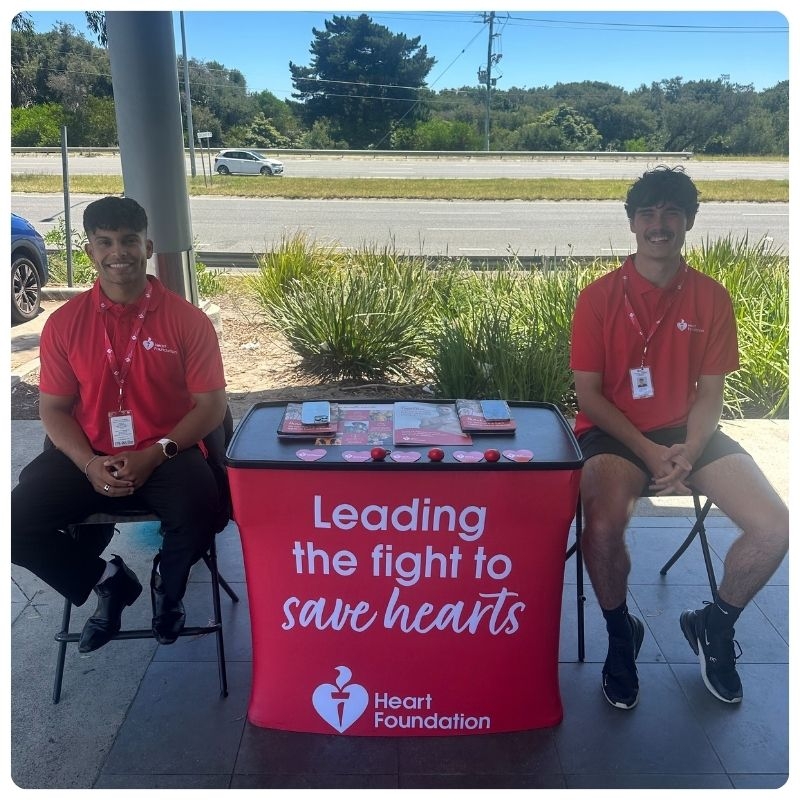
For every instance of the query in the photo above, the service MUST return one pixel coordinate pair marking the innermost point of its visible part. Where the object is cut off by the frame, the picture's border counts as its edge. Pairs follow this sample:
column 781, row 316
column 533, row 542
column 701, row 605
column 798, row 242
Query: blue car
column 28, row 269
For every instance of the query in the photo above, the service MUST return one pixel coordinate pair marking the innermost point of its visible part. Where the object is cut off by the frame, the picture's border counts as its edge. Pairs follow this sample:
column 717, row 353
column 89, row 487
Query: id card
column 121, row 424
column 641, row 383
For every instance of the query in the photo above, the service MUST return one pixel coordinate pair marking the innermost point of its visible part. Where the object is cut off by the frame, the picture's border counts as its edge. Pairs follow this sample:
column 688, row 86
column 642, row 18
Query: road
column 425, row 227
column 344, row 166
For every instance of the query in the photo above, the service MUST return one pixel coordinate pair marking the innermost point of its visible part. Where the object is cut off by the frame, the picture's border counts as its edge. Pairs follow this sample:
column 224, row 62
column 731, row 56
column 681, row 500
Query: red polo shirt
column 175, row 355
column 696, row 336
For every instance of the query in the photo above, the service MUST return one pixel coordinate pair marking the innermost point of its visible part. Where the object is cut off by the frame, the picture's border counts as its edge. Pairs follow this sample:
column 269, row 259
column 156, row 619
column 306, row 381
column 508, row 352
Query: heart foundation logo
column 520, row 456
column 342, row 703
column 356, row 455
column 405, row 456
column 310, row 455
column 468, row 456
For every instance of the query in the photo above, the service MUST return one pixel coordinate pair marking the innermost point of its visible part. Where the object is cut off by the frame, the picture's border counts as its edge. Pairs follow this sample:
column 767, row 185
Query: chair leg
column 698, row 530
column 222, row 582
column 211, row 560
column 581, row 597
column 62, row 650
column 575, row 550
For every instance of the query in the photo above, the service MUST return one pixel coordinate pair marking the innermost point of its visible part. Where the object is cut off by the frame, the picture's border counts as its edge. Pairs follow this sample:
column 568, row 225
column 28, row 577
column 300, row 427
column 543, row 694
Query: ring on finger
column 106, row 488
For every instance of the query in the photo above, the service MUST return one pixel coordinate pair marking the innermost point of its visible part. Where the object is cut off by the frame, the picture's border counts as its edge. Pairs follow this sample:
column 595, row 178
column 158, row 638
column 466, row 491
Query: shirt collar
column 640, row 285
column 101, row 302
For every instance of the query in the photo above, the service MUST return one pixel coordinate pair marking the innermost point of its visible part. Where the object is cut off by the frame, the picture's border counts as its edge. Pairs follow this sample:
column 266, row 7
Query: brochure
column 472, row 419
column 428, row 423
column 292, row 427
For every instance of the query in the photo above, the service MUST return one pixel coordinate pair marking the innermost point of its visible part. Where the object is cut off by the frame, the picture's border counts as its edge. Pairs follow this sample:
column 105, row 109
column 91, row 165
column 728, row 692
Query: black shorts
column 595, row 442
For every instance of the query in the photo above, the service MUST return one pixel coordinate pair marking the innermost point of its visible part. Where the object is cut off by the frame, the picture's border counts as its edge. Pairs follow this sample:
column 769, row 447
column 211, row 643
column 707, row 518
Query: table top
column 543, row 440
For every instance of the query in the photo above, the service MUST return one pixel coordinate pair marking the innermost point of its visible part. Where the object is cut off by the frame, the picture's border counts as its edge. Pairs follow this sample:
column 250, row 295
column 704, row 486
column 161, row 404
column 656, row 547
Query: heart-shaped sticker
column 405, row 456
column 310, row 455
column 468, row 456
column 356, row 455
column 518, row 455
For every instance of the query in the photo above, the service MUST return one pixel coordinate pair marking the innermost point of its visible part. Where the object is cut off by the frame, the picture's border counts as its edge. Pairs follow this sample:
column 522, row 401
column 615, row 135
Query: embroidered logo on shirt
column 682, row 325
column 149, row 344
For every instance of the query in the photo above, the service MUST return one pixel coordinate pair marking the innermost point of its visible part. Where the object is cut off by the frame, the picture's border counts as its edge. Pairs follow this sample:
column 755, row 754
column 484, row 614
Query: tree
column 566, row 128
column 362, row 78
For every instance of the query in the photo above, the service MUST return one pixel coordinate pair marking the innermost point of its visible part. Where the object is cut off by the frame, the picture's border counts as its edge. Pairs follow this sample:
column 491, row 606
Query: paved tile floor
column 179, row 733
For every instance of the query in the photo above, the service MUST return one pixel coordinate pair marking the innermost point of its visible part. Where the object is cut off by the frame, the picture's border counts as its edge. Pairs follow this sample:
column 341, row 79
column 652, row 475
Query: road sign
column 204, row 134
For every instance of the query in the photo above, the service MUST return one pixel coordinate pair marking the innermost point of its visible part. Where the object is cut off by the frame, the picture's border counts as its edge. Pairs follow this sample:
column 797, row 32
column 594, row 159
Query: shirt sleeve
column 56, row 375
column 204, row 368
column 722, row 354
column 587, row 353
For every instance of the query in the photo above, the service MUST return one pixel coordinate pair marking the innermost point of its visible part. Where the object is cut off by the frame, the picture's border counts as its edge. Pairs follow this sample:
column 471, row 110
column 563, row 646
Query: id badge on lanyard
column 641, row 383
column 641, row 377
column 120, row 422
column 121, row 425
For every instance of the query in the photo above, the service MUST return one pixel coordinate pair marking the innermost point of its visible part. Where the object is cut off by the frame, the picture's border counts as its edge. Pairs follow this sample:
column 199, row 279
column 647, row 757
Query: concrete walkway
column 138, row 715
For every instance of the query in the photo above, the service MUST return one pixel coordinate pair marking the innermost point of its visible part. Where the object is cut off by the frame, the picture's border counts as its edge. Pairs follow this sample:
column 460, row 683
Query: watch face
column 170, row 448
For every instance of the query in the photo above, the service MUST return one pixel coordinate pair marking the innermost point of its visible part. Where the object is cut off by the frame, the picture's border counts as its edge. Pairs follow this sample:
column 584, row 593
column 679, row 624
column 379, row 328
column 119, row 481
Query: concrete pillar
column 141, row 47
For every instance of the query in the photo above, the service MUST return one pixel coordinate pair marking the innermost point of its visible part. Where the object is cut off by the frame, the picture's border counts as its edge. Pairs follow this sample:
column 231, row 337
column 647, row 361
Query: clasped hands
column 670, row 467
column 121, row 474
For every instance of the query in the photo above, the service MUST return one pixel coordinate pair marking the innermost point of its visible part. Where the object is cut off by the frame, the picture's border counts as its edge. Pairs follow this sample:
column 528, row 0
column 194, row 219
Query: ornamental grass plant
column 360, row 316
column 756, row 275
column 503, row 332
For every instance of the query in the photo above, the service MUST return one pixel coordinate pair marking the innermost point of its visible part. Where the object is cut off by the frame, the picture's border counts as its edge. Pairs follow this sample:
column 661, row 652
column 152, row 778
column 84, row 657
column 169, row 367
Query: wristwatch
column 169, row 447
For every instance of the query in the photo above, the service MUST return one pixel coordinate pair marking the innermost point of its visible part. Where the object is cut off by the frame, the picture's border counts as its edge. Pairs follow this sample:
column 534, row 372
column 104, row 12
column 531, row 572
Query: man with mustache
column 652, row 342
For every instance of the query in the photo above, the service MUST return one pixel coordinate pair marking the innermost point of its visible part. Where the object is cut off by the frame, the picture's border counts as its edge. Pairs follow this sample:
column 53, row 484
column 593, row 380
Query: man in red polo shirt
column 652, row 342
column 131, row 381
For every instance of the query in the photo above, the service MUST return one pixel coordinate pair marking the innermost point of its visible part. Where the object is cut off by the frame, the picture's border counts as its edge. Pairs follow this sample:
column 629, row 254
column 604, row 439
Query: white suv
column 246, row 162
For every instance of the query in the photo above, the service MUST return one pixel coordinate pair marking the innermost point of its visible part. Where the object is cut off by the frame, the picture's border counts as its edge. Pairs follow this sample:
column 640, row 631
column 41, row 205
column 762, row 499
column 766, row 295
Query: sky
column 538, row 47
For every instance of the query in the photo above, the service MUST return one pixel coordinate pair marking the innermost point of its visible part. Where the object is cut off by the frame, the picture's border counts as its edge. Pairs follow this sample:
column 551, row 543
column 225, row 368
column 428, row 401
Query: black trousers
column 53, row 493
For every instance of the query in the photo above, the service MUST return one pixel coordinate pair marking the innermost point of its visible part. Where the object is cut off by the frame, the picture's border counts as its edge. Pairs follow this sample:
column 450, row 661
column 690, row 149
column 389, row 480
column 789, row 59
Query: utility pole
column 188, row 94
column 485, row 75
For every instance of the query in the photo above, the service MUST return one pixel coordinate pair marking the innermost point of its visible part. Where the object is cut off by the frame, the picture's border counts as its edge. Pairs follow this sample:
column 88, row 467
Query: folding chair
column 64, row 636
column 701, row 510
column 215, row 443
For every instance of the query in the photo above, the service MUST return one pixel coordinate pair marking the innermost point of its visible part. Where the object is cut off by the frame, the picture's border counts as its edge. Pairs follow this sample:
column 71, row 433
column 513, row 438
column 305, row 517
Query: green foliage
column 437, row 134
column 383, row 95
column 375, row 73
column 505, row 332
column 757, row 277
column 37, row 126
column 83, row 271
column 210, row 282
column 359, row 320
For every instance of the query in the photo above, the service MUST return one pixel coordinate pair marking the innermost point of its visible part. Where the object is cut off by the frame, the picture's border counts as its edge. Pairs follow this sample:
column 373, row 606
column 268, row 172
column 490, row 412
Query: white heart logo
column 356, row 455
column 404, row 456
column 148, row 343
column 468, row 456
column 310, row 455
column 520, row 456
column 342, row 703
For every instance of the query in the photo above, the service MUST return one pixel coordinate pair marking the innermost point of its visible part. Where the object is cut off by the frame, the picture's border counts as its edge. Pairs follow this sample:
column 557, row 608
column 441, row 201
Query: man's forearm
column 608, row 417
column 704, row 417
column 67, row 435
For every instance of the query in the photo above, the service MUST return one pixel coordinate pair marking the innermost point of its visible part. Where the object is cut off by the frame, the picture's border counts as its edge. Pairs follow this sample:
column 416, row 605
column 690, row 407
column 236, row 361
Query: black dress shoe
column 169, row 616
column 113, row 594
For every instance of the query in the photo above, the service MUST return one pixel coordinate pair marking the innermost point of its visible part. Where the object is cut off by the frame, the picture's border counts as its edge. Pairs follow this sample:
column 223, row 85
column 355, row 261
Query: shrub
column 210, row 282
column 363, row 320
column 757, row 277
column 83, row 271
